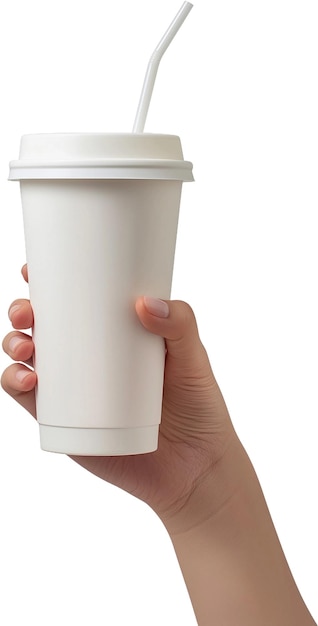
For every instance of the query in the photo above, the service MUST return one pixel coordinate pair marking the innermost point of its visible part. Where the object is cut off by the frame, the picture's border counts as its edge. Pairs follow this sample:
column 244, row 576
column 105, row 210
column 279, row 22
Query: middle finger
column 21, row 314
column 19, row 347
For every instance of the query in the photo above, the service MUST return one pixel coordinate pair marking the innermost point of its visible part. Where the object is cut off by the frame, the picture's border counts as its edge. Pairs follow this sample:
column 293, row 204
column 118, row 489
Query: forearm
column 233, row 564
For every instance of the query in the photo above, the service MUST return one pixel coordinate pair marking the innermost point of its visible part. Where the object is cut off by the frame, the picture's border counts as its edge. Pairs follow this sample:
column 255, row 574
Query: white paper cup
column 100, row 217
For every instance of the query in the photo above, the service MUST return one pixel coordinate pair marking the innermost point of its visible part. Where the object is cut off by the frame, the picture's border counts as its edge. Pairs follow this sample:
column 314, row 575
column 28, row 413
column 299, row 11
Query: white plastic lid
column 101, row 156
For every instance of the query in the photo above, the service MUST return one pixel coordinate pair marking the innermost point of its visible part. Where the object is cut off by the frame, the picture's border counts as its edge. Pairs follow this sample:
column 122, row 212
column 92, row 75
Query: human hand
column 200, row 481
column 195, row 432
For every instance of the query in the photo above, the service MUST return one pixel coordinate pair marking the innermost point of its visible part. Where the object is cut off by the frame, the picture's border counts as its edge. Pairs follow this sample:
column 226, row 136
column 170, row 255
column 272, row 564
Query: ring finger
column 19, row 347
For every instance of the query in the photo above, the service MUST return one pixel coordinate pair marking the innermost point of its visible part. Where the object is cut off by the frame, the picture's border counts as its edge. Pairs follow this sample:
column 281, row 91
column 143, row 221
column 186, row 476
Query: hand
column 200, row 481
column 195, row 431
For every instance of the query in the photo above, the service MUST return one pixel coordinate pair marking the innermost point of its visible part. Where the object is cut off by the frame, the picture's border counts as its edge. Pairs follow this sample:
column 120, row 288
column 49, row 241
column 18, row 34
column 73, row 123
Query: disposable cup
column 100, row 217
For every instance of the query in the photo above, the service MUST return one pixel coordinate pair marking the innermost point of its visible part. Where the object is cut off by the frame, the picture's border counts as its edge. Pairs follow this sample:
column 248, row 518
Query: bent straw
column 153, row 65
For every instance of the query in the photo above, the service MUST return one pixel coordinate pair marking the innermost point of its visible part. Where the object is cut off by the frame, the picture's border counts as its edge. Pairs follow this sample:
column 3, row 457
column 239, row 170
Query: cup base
column 99, row 441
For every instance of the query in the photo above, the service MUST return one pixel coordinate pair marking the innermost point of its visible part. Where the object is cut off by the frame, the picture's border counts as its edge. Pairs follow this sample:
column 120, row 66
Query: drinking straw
column 153, row 65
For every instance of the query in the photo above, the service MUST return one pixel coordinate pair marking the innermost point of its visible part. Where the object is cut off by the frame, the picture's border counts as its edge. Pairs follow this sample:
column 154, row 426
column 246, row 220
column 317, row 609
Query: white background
column 239, row 85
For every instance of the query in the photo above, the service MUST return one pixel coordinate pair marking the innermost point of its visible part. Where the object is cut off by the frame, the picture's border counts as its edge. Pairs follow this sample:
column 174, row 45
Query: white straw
column 153, row 65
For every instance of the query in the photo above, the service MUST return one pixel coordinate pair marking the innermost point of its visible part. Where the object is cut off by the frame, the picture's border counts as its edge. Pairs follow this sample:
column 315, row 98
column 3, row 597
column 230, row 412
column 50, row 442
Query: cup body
column 93, row 245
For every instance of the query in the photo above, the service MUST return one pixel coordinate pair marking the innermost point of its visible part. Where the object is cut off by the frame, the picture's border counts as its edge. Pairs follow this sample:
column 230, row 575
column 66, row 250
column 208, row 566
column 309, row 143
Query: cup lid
column 101, row 156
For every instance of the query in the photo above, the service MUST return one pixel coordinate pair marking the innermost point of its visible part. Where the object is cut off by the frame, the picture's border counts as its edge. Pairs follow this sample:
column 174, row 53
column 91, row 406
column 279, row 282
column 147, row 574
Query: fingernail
column 156, row 307
column 14, row 343
column 22, row 374
column 13, row 309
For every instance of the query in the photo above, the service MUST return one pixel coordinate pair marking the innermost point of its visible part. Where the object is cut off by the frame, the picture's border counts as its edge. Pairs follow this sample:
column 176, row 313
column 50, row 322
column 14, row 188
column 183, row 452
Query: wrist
column 229, row 553
column 213, row 492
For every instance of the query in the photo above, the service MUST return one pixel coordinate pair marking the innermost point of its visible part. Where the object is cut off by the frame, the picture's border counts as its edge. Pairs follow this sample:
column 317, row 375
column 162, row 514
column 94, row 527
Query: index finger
column 24, row 273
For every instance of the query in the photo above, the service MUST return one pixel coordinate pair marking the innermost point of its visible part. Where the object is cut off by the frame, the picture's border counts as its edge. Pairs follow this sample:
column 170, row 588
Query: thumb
column 190, row 384
column 175, row 321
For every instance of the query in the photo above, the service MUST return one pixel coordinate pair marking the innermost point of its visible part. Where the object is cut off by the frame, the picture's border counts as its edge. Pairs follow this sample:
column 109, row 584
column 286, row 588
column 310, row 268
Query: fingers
column 19, row 382
column 21, row 314
column 17, row 379
column 24, row 272
column 19, row 347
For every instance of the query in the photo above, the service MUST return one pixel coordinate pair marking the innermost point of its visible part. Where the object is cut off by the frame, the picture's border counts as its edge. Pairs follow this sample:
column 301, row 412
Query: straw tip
column 153, row 66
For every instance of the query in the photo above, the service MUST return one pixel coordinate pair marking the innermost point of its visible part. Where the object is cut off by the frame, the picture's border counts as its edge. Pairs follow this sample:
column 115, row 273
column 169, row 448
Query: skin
column 200, row 481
